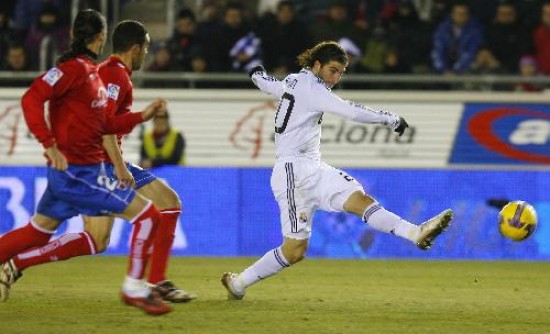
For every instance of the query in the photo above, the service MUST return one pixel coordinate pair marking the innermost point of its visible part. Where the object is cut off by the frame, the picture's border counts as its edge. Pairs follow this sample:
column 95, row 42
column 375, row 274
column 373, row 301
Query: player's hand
column 157, row 107
column 400, row 129
column 255, row 69
column 123, row 175
column 147, row 164
column 57, row 158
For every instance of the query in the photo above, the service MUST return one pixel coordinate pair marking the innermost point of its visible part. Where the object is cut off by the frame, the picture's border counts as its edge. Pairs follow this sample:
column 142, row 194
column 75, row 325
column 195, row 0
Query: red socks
column 145, row 226
column 162, row 244
column 21, row 239
column 65, row 247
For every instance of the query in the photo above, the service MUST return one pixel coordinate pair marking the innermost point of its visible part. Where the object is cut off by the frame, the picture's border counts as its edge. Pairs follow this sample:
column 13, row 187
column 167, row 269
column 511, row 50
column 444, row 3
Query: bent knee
column 101, row 244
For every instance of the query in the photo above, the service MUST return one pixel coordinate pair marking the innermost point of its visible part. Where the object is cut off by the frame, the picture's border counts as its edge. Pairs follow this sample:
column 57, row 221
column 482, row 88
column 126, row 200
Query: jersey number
column 286, row 104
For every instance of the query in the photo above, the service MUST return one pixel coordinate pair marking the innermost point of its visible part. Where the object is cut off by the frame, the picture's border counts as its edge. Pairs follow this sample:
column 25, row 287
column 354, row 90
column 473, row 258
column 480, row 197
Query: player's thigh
column 161, row 194
column 292, row 187
column 99, row 228
column 335, row 188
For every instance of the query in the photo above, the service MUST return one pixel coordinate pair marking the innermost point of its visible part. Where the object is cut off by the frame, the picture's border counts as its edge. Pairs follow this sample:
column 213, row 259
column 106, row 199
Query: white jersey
column 303, row 98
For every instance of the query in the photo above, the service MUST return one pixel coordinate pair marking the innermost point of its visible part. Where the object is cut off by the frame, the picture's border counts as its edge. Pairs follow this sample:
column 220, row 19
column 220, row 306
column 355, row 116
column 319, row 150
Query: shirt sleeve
column 122, row 124
column 326, row 101
column 53, row 84
column 268, row 84
column 118, row 86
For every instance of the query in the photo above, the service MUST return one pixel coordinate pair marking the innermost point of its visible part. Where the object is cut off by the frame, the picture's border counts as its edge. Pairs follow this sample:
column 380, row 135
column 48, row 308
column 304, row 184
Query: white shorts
column 303, row 186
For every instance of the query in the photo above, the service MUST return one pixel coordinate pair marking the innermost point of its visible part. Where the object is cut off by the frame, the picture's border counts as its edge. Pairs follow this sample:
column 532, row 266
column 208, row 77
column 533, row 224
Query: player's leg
column 373, row 213
column 36, row 233
column 99, row 229
column 297, row 206
column 145, row 217
column 94, row 239
column 92, row 192
column 169, row 205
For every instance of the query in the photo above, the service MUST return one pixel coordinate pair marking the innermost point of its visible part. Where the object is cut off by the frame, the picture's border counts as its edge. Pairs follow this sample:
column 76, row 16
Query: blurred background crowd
column 491, row 37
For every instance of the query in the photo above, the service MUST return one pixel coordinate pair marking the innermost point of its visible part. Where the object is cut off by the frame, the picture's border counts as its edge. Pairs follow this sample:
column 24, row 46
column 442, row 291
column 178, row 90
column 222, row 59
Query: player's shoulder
column 112, row 66
column 307, row 79
column 72, row 68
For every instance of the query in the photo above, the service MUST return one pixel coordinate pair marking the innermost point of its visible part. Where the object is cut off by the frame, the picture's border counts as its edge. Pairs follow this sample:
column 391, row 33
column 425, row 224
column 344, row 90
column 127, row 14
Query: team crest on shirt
column 113, row 91
column 52, row 76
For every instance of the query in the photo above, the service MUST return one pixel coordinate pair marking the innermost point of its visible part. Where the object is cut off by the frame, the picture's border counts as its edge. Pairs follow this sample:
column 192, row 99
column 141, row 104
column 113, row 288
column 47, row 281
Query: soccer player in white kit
column 301, row 182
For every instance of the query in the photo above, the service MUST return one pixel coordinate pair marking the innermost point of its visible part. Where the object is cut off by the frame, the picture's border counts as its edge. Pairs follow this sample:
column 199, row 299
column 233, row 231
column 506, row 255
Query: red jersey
column 77, row 111
column 116, row 78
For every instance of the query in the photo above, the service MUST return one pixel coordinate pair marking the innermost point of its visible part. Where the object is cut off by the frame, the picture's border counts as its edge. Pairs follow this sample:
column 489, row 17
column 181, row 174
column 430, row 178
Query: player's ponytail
column 323, row 52
column 86, row 26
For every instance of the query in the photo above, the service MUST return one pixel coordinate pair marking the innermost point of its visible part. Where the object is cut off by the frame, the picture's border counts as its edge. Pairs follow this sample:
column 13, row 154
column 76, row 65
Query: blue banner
column 503, row 134
column 232, row 212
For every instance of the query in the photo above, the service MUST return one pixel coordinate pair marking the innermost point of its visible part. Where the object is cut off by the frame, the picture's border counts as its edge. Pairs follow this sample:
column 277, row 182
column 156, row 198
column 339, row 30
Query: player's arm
column 122, row 173
column 52, row 84
column 325, row 100
column 266, row 83
column 124, row 123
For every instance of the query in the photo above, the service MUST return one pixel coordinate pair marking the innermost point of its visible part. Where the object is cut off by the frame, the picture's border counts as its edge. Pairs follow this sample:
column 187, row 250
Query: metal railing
column 193, row 80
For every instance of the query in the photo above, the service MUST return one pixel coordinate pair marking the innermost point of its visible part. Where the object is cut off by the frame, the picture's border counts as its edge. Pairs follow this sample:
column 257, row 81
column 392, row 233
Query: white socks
column 385, row 221
column 135, row 288
column 270, row 264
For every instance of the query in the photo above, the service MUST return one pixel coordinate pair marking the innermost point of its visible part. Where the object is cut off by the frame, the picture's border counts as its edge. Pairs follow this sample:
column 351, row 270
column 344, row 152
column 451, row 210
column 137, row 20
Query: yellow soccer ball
column 517, row 220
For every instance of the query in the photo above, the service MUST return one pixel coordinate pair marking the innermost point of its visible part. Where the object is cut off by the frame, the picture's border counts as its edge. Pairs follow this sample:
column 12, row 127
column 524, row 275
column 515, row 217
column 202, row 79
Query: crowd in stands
column 380, row 36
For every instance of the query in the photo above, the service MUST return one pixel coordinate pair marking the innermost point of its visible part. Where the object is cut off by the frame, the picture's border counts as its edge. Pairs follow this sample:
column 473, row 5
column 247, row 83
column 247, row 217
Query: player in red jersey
column 78, row 182
column 130, row 44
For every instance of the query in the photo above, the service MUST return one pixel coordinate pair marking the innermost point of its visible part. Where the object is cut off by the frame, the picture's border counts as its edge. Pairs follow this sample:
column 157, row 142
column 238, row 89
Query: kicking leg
column 379, row 218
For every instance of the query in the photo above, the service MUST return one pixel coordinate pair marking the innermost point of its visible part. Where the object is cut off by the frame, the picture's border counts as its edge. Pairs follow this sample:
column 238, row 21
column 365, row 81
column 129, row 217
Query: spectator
column 48, row 25
column 282, row 29
column 162, row 59
column 162, row 145
column 183, row 44
column 26, row 12
column 375, row 50
column 6, row 35
column 505, row 37
column 456, row 42
column 406, row 29
column 484, row 64
column 16, row 59
column 219, row 40
column 353, row 52
column 208, row 30
column 528, row 68
column 541, row 40
column 337, row 25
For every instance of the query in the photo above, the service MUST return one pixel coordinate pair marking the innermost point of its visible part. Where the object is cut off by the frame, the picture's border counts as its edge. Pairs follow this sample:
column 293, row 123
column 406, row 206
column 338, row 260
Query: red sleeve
column 53, row 84
column 123, row 123
column 120, row 119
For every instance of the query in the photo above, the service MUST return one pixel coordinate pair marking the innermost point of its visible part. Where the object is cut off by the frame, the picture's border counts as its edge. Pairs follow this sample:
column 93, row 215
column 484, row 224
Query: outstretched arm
column 266, row 83
column 329, row 102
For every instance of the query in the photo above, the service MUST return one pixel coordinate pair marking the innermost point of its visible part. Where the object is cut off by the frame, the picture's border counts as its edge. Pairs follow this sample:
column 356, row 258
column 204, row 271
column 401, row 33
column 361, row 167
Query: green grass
column 316, row 296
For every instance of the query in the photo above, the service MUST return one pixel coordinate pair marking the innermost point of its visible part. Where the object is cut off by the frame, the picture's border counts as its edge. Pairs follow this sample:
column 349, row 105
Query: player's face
column 331, row 72
column 139, row 54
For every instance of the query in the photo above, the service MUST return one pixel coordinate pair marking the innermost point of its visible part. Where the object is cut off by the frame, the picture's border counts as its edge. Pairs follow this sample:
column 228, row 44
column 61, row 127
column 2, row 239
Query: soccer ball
column 517, row 220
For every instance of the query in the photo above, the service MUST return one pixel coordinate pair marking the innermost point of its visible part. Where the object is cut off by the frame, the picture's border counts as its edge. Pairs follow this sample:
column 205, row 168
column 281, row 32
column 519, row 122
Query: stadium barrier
column 463, row 149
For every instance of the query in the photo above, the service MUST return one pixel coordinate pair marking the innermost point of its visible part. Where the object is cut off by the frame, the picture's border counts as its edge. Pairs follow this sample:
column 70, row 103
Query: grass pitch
column 316, row 296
